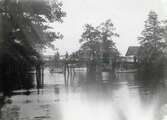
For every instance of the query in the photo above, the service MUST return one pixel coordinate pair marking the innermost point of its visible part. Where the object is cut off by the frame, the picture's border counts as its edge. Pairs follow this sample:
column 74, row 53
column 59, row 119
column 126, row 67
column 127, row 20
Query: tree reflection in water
column 91, row 97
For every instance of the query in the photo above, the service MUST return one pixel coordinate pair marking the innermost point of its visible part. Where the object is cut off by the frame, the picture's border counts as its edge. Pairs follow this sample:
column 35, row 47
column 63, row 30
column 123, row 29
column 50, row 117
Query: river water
column 88, row 98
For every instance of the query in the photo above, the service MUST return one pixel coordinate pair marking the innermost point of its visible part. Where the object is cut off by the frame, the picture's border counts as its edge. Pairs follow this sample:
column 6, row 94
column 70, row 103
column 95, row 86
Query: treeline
column 98, row 46
column 24, row 32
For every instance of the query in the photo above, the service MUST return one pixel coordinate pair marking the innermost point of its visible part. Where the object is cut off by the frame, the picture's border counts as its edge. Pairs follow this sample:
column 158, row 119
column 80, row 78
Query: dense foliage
column 151, row 56
column 26, row 22
column 24, row 32
column 98, row 42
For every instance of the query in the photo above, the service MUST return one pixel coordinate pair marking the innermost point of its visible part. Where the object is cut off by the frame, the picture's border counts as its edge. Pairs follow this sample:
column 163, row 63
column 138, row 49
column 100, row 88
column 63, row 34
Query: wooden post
column 65, row 73
column 42, row 76
column 38, row 76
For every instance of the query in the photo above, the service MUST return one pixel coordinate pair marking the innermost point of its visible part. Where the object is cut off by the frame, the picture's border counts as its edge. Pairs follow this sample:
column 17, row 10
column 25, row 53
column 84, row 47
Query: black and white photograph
column 83, row 59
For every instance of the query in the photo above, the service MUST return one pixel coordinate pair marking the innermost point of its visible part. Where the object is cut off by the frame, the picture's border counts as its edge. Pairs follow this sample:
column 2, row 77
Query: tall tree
column 27, row 21
column 151, row 41
column 98, row 41
column 107, row 33
column 24, row 30
column 90, row 40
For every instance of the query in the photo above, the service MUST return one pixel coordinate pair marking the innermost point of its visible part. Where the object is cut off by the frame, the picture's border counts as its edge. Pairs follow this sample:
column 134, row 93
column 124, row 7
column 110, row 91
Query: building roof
column 132, row 51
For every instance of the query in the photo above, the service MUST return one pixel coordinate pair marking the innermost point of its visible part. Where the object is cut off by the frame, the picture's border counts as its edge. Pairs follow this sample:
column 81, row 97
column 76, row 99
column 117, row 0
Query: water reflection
column 90, row 96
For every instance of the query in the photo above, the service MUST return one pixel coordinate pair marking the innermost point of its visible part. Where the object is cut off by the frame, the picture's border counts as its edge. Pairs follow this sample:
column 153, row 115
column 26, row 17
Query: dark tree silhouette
column 98, row 42
column 151, row 53
column 24, row 32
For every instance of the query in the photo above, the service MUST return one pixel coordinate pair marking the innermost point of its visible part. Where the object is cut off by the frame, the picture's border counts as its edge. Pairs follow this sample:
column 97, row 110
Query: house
column 128, row 62
column 131, row 54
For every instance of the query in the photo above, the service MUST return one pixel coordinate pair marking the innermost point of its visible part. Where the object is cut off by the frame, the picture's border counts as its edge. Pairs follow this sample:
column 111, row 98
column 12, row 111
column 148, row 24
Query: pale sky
column 128, row 17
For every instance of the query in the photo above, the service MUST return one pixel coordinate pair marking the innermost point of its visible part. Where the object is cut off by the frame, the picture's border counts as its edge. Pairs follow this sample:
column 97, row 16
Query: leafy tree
column 152, row 45
column 108, row 33
column 98, row 41
column 27, row 22
column 24, row 31
column 90, row 40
